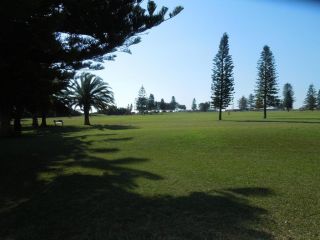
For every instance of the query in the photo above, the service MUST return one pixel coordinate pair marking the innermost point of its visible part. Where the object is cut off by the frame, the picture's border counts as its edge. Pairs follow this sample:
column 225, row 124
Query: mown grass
column 167, row 176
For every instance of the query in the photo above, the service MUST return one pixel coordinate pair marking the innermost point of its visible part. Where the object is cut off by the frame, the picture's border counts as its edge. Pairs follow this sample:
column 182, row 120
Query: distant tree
column 142, row 101
column 243, row 103
column 114, row 110
column 204, row 107
column 157, row 105
column 266, row 90
column 311, row 98
column 90, row 91
column 163, row 105
column 173, row 103
column 318, row 100
column 129, row 108
column 182, row 107
column 194, row 105
column 222, row 78
column 168, row 107
column 251, row 102
column 288, row 98
column 151, row 103
column 280, row 104
column 258, row 102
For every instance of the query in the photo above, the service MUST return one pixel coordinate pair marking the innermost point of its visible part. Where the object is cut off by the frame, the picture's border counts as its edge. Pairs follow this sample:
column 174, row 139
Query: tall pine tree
column 194, row 105
column 288, row 98
column 151, row 103
column 142, row 101
column 318, row 100
column 266, row 90
column 311, row 98
column 173, row 103
column 222, row 78
column 162, row 105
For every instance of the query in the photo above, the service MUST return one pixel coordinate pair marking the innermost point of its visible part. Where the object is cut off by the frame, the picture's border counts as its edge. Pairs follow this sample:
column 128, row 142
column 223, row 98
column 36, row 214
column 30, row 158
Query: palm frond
column 89, row 91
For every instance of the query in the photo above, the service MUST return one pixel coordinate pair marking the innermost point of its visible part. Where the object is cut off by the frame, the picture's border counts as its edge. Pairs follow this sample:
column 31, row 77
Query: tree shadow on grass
column 118, row 139
column 88, row 197
column 73, row 129
column 113, row 127
column 23, row 158
column 249, row 191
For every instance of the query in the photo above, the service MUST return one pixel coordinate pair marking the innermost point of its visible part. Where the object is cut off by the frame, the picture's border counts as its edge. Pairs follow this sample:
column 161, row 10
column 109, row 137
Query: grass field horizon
column 164, row 176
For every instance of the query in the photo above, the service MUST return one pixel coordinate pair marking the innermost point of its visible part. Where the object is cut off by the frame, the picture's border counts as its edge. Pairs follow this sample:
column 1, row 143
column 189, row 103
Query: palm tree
column 90, row 91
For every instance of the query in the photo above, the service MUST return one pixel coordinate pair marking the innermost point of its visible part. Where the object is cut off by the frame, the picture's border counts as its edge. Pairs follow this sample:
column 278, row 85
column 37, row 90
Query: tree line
column 146, row 104
column 266, row 89
column 311, row 102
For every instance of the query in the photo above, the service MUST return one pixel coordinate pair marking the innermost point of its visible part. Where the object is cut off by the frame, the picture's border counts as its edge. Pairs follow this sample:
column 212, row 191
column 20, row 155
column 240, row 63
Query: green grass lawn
column 164, row 177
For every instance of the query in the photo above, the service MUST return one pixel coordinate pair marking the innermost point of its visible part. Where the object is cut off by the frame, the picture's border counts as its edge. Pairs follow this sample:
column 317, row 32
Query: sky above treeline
column 175, row 58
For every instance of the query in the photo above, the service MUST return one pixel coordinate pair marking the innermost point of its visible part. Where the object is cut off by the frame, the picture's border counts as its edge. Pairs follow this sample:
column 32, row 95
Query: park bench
column 56, row 122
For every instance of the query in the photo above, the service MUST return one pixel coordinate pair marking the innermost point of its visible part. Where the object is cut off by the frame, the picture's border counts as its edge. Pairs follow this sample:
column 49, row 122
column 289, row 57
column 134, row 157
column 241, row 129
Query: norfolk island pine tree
column 288, row 96
column 222, row 78
column 267, row 86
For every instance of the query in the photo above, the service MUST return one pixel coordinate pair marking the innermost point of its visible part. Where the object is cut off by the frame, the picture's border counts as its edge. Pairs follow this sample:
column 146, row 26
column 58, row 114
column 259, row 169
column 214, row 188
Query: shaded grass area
column 175, row 176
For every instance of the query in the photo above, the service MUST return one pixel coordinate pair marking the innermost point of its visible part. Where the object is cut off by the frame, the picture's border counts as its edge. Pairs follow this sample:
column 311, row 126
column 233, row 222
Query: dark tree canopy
column 222, row 77
column 42, row 41
column 173, row 104
column 182, row 107
column 204, row 107
column 162, row 105
column 267, row 86
column 151, row 105
column 288, row 96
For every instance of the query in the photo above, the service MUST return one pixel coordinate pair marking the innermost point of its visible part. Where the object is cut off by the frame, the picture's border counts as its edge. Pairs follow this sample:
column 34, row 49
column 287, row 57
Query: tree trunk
column 17, row 120
column 44, row 119
column 17, row 124
column 35, row 122
column 265, row 108
column 220, row 113
column 86, row 117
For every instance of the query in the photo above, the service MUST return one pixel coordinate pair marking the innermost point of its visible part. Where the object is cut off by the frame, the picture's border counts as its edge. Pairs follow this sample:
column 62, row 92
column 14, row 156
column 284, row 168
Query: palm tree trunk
column 17, row 121
column 86, row 116
column 44, row 119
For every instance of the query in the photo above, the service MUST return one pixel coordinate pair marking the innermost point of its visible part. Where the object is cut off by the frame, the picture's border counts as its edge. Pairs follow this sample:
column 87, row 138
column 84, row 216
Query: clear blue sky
column 175, row 58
